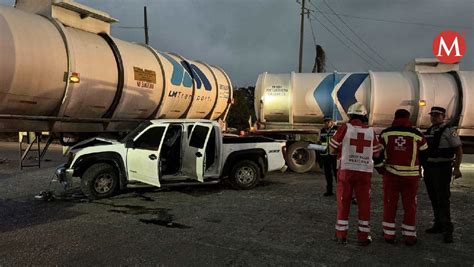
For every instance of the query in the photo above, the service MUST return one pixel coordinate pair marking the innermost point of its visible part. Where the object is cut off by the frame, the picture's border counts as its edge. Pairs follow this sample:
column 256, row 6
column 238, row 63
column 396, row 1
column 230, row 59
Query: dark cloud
column 248, row 37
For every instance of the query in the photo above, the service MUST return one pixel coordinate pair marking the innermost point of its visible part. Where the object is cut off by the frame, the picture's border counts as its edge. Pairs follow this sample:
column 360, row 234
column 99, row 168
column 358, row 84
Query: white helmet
column 357, row 109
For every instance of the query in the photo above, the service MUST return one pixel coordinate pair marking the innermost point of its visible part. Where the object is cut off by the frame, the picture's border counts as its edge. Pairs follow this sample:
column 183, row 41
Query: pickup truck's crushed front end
column 65, row 172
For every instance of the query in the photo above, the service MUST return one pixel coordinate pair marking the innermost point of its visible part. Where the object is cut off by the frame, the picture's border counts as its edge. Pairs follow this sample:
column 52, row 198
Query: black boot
column 448, row 237
column 342, row 241
column 328, row 194
column 435, row 229
column 365, row 242
column 411, row 242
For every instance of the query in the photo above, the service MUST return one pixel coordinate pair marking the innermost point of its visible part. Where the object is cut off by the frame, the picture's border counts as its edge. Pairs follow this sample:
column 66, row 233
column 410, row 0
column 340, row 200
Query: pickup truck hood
column 98, row 145
column 96, row 141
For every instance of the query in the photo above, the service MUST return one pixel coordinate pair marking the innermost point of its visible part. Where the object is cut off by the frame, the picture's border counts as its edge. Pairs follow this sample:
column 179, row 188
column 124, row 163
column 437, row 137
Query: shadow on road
column 21, row 214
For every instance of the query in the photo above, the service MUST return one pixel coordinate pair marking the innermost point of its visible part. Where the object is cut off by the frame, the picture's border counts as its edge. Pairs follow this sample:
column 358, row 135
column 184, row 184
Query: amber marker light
column 74, row 78
column 422, row 103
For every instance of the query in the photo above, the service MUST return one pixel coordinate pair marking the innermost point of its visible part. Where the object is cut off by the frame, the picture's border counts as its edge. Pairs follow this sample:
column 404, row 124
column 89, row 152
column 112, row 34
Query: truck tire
column 100, row 180
column 244, row 175
column 299, row 158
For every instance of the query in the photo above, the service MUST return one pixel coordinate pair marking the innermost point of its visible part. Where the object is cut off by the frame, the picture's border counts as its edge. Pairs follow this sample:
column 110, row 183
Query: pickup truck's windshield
column 135, row 132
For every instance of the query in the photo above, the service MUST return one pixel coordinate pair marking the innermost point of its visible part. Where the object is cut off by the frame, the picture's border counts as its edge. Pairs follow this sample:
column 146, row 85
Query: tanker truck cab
column 170, row 152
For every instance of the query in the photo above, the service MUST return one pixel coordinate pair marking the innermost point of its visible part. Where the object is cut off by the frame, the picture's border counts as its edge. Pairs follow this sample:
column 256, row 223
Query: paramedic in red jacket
column 356, row 144
column 403, row 146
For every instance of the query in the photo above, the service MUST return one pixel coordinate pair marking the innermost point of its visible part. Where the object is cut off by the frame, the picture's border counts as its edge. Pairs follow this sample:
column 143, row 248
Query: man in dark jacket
column 329, row 160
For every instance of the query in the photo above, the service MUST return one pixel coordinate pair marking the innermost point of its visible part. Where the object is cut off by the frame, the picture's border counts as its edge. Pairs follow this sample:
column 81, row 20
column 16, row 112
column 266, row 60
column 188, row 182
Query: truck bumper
column 64, row 174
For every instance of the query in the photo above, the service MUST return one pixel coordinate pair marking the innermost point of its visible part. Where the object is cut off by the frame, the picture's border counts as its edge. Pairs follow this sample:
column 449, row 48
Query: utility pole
column 300, row 69
column 146, row 25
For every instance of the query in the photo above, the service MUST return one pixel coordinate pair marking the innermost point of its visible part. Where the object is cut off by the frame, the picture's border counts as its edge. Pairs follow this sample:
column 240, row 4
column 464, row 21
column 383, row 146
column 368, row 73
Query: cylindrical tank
column 301, row 100
column 115, row 79
column 94, row 94
column 33, row 61
column 466, row 120
column 224, row 93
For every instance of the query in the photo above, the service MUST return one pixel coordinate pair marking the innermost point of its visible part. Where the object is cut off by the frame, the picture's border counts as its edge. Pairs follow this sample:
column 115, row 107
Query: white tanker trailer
column 291, row 105
column 61, row 71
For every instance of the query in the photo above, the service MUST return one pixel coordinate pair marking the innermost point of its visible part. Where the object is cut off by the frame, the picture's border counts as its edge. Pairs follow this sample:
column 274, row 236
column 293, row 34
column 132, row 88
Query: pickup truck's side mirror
column 130, row 144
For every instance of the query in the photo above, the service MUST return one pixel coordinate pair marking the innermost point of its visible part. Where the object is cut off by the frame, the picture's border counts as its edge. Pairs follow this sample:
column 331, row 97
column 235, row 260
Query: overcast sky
column 248, row 37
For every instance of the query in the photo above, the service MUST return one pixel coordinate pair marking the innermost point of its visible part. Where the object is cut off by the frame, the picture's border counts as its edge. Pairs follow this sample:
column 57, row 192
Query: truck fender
column 112, row 158
column 257, row 155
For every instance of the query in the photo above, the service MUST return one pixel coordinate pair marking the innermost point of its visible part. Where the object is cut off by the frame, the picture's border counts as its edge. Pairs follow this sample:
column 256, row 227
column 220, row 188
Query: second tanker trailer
column 291, row 105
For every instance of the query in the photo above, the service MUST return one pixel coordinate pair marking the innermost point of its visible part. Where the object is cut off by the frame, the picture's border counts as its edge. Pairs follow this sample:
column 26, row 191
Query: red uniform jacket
column 402, row 144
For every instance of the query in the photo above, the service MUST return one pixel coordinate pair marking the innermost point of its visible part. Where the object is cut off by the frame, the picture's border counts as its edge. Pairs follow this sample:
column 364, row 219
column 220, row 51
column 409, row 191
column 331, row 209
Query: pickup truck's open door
column 195, row 151
column 143, row 155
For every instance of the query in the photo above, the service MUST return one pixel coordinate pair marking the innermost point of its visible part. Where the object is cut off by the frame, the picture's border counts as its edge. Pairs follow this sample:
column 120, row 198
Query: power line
column 350, row 40
column 399, row 21
column 377, row 63
column 342, row 41
column 314, row 41
column 312, row 30
column 358, row 37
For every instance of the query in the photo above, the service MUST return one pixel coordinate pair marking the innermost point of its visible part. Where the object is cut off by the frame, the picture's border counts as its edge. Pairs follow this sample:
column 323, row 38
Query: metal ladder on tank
column 32, row 140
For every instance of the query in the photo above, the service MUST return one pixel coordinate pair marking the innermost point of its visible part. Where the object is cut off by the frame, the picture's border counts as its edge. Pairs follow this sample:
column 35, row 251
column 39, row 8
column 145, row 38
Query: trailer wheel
column 299, row 158
column 244, row 175
column 100, row 180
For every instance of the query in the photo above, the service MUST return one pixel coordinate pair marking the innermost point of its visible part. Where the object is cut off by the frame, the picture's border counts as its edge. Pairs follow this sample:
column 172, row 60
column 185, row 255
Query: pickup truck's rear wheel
column 299, row 158
column 99, row 181
column 244, row 175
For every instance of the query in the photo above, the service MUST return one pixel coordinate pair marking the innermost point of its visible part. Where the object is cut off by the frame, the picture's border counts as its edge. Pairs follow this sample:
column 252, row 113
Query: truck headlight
column 60, row 171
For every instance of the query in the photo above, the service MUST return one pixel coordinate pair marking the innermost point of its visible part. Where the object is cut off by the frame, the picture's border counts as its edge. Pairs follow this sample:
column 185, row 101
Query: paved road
column 285, row 221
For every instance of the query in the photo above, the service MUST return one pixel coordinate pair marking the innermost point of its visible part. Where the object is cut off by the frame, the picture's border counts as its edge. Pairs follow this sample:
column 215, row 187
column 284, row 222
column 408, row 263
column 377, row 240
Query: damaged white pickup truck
column 163, row 152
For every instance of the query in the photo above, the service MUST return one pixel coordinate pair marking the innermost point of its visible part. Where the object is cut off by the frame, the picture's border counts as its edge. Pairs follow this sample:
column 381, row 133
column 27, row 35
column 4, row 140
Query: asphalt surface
column 284, row 221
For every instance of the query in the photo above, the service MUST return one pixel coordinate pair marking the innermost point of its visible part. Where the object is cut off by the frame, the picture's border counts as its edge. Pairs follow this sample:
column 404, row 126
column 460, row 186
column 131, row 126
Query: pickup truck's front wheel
column 99, row 181
column 244, row 175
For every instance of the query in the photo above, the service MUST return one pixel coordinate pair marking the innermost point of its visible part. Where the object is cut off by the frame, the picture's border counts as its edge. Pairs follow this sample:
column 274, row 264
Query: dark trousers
column 329, row 165
column 437, row 177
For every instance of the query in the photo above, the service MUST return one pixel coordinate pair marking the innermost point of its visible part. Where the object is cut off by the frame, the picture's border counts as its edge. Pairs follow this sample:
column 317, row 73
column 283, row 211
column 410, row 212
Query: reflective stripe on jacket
column 402, row 145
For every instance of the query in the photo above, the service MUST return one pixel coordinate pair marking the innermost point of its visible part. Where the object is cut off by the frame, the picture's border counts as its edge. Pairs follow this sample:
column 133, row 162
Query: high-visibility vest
column 324, row 137
column 357, row 149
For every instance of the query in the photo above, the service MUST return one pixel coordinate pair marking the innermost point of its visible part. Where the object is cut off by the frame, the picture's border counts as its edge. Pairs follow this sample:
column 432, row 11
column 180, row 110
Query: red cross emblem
column 360, row 142
column 400, row 141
